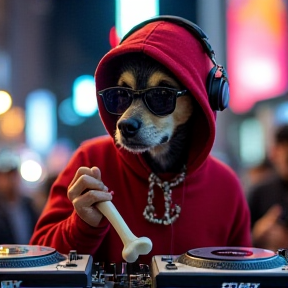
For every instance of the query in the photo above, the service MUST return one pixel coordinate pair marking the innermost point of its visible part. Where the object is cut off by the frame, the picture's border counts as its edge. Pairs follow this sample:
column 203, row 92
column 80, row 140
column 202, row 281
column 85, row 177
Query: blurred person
column 268, row 200
column 156, row 157
column 17, row 214
column 257, row 174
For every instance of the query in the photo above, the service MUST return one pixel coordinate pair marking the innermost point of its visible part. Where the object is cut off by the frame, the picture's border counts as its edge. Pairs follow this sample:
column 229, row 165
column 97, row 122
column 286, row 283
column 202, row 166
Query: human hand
column 268, row 233
column 84, row 191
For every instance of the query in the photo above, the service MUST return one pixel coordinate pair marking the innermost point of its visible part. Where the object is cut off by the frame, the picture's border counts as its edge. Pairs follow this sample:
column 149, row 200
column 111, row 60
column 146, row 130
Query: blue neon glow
column 67, row 113
column 281, row 114
column 84, row 96
column 130, row 13
column 41, row 120
column 252, row 143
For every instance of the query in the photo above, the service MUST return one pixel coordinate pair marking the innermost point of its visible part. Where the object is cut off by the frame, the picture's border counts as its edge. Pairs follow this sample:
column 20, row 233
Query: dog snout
column 129, row 127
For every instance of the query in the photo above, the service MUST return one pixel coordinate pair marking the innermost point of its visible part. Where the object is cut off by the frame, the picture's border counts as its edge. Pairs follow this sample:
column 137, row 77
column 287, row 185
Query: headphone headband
column 192, row 27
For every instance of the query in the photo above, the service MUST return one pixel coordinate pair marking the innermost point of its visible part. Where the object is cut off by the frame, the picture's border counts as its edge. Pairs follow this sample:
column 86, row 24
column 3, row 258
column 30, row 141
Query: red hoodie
column 214, row 211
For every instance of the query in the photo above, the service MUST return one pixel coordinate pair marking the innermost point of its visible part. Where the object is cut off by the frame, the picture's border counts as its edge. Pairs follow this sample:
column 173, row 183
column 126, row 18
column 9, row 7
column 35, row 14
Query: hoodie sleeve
column 59, row 226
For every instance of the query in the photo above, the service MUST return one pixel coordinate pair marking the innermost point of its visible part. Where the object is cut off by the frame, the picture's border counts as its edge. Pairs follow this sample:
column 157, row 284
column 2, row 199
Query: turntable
column 40, row 266
column 223, row 267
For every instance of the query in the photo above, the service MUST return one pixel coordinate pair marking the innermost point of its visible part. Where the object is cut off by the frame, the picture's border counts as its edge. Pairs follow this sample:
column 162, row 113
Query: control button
column 171, row 266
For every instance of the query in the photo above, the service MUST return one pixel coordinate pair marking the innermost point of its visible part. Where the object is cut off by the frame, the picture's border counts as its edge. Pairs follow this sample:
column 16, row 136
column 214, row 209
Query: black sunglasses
column 161, row 101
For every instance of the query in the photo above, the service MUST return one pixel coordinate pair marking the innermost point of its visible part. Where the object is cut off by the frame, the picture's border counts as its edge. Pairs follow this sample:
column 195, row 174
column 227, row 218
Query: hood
column 183, row 54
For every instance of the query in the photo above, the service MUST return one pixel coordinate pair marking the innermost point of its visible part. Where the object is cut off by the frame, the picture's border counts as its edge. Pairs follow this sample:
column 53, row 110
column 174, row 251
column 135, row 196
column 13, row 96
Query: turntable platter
column 232, row 258
column 19, row 256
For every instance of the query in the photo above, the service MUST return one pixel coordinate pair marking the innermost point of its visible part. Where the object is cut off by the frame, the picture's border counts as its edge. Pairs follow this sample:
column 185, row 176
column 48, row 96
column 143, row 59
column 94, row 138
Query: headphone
column 217, row 80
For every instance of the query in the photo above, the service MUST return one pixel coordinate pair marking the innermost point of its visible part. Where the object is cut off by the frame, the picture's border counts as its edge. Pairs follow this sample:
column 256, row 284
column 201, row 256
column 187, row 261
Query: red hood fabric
column 183, row 55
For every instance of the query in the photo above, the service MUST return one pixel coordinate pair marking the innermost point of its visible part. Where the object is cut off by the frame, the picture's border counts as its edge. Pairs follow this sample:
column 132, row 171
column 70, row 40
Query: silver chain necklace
column 172, row 211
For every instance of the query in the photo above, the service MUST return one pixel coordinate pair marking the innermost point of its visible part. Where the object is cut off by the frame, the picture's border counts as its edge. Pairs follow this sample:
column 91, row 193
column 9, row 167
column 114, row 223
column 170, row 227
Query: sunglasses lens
column 116, row 100
column 161, row 101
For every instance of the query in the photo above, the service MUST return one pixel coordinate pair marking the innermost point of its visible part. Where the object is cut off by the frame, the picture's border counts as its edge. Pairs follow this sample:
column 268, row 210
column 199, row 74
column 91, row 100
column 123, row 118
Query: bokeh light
column 67, row 114
column 281, row 114
column 5, row 101
column 131, row 12
column 84, row 96
column 31, row 170
column 41, row 131
column 257, row 55
column 13, row 122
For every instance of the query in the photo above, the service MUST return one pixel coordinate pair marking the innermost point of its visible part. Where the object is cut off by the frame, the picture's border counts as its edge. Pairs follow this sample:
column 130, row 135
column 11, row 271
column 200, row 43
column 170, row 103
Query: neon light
column 5, row 69
column 130, row 12
column 252, row 144
column 257, row 51
column 67, row 113
column 281, row 114
column 84, row 96
column 113, row 37
column 41, row 120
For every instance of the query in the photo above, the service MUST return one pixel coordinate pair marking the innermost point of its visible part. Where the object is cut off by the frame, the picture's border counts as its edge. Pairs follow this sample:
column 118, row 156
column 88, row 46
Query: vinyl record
column 231, row 253
column 22, row 256
column 232, row 258
column 21, row 251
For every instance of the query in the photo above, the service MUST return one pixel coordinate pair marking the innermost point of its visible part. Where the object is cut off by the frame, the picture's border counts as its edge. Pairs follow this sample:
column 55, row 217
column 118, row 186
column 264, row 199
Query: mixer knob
column 283, row 252
column 72, row 255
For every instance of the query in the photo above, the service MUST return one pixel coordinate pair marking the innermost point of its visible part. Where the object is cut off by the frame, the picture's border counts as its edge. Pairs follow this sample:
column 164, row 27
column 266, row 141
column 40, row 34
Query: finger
column 90, row 198
column 81, row 171
column 96, row 172
column 85, row 182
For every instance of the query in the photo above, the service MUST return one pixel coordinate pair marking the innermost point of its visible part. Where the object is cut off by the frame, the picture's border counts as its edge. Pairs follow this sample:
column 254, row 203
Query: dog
column 163, row 140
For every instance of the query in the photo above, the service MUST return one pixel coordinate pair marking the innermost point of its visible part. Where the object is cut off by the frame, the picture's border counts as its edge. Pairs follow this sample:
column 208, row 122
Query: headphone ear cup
column 218, row 88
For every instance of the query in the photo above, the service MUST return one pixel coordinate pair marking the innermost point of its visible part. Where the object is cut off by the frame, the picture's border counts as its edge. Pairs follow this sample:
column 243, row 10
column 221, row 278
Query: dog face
column 138, row 130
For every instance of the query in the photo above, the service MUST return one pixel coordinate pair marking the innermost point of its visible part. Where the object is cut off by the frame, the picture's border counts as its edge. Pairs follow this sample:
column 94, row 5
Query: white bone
column 133, row 246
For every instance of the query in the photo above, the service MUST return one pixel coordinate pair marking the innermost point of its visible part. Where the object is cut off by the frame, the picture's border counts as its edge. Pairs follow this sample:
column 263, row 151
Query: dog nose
column 129, row 127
